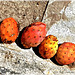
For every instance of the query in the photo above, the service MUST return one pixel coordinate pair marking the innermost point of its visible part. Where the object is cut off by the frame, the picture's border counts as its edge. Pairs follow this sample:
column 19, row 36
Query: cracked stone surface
column 15, row 60
column 54, row 13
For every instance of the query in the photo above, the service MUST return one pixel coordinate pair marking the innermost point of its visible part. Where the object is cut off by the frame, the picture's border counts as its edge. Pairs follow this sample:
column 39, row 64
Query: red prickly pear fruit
column 66, row 53
column 33, row 35
column 49, row 46
column 8, row 30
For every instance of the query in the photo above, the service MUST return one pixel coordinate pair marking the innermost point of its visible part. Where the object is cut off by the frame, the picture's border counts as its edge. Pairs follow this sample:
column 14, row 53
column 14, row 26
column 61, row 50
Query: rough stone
column 26, row 62
column 23, row 12
column 54, row 13
column 15, row 60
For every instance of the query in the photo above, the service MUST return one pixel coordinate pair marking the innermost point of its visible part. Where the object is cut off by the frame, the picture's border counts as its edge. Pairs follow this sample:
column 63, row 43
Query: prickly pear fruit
column 66, row 53
column 8, row 30
column 33, row 35
column 48, row 47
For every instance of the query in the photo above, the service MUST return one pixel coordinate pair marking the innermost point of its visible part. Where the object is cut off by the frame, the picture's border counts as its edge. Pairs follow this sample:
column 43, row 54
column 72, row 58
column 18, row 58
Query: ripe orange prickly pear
column 66, row 53
column 33, row 35
column 48, row 47
column 8, row 30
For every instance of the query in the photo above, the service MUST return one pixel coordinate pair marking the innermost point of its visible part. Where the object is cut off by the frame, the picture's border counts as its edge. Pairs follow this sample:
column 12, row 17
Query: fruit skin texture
column 66, row 53
column 48, row 47
column 33, row 35
column 8, row 30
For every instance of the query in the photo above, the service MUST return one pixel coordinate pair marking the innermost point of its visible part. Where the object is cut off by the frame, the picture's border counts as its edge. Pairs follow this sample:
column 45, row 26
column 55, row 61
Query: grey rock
column 15, row 60
column 26, row 62
column 64, row 29
column 53, row 12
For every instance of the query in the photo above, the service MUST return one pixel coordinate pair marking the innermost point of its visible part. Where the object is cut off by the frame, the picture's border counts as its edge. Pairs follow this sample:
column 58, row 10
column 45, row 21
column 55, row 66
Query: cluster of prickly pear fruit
column 33, row 35
column 66, row 53
column 48, row 47
column 8, row 30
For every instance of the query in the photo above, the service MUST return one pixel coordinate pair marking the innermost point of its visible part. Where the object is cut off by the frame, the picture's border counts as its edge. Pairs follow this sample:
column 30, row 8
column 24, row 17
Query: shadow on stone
column 18, row 40
column 36, row 50
column 53, row 59
column 1, row 22
column 0, row 37
column 0, row 40
column 72, row 65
